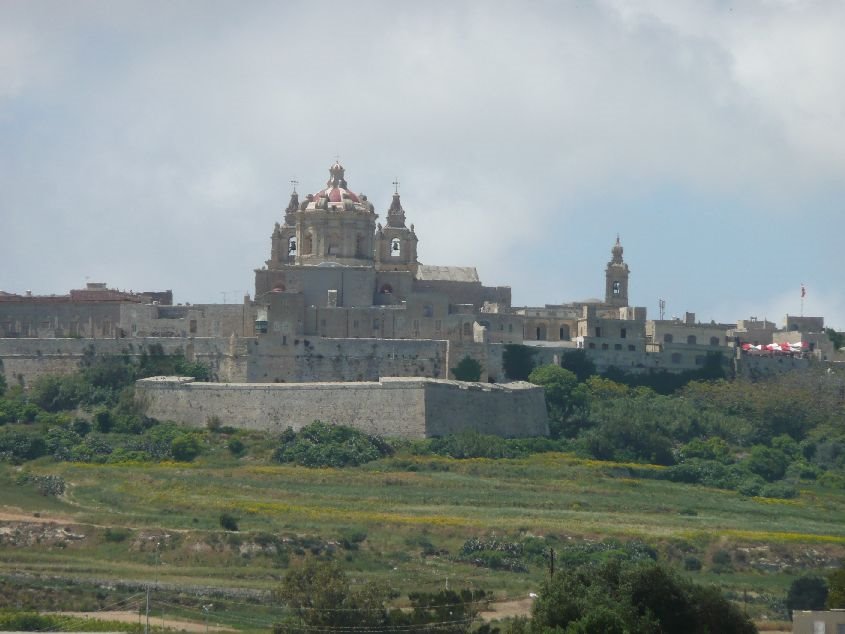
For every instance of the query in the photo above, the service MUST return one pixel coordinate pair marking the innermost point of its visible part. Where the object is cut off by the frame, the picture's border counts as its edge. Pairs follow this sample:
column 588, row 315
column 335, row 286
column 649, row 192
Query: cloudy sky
column 151, row 144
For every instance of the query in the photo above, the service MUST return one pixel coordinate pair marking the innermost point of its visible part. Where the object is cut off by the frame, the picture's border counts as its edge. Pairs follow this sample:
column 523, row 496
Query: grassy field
column 402, row 520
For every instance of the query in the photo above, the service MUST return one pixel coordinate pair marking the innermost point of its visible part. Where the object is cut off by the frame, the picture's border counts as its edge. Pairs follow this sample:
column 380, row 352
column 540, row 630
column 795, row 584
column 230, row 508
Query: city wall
column 398, row 407
column 22, row 361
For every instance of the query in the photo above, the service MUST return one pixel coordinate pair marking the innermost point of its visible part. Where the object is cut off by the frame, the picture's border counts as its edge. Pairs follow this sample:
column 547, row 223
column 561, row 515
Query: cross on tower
column 396, row 185
column 337, row 158
column 294, row 183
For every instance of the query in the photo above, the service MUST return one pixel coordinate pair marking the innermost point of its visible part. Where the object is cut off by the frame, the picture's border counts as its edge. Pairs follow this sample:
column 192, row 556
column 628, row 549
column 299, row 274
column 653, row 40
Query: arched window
column 714, row 341
column 307, row 244
column 617, row 289
column 395, row 247
column 691, row 340
column 667, row 338
column 292, row 245
column 541, row 332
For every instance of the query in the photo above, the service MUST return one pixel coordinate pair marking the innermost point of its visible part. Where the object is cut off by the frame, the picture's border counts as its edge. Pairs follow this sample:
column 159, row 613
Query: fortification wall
column 513, row 410
column 275, row 359
column 399, row 407
column 24, row 360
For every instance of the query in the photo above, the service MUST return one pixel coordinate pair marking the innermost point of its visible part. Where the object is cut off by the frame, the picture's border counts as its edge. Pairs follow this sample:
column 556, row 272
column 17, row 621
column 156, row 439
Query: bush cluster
column 323, row 445
column 759, row 438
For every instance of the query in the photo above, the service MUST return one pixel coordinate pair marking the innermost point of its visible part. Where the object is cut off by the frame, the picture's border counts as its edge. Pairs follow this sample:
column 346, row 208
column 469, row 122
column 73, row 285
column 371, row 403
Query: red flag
column 803, row 291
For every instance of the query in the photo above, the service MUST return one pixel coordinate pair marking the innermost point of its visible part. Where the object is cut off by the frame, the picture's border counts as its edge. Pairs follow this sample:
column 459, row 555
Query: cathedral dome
column 336, row 189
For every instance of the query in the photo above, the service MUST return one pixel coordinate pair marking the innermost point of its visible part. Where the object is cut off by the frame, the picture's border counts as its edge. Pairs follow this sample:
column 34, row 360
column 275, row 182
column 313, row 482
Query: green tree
column 321, row 596
column 563, row 397
column 579, row 363
column 836, row 338
column 468, row 369
column 836, row 590
column 518, row 361
column 806, row 593
column 632, row 597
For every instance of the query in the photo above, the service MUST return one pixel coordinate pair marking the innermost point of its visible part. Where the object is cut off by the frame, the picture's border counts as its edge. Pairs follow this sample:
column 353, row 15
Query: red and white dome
column 335, row 189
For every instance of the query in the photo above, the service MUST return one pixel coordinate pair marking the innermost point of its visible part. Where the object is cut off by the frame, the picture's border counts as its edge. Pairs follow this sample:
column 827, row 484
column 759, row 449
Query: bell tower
column 396, row 244
column 616, row 278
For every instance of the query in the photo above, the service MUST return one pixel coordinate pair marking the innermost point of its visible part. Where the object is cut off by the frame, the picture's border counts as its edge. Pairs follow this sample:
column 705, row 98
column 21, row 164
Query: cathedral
column 344, row 297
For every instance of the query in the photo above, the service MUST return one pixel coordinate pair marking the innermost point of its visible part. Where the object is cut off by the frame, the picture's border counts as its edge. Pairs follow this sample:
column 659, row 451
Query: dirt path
column 13, row 514
column 505, row 609
column 132, row 617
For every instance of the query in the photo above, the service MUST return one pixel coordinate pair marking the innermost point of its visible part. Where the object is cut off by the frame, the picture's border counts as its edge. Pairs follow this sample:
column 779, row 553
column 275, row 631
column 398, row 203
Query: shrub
column 350, row 539
column 751, row 486
column 471, row 444
column 721, row 562
column 46, row 484
column 692, row 563
column 228, row 522
column 185, row 447
column 322, row 445
column 214, row 424
column 103, row 420
column 18, row 446
column 779, row 490
column 236, row 446
column 770, row 464
column 116, row 535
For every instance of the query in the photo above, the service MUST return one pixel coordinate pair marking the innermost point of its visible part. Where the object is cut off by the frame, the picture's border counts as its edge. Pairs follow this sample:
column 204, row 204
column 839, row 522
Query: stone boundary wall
column 398, row 407
column 27, row 359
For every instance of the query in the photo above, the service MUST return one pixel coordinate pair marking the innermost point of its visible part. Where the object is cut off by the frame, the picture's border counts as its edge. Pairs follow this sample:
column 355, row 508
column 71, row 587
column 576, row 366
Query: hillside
column 97, row 501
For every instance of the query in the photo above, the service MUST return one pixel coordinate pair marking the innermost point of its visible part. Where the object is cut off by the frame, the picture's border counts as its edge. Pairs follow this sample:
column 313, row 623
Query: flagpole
column 803, row 292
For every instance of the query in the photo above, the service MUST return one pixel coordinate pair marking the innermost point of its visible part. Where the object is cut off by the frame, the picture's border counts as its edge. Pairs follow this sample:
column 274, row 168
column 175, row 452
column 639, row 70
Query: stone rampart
column 398, row 407
column 24, row 360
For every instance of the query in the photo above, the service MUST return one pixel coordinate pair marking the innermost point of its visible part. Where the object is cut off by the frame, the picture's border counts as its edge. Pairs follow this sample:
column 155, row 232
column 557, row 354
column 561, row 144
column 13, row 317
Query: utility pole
column 207, row 609
column 551, row 563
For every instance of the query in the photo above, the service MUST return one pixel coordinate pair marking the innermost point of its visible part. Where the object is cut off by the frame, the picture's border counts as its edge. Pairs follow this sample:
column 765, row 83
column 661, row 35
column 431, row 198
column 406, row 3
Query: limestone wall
column 290, row 359
column 399, row 407
column 58, row 317
column 196, row 320
column 511, row 410
column 24, row 360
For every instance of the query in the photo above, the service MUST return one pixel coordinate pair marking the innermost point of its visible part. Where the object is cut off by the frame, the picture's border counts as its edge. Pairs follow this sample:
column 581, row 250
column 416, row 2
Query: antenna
column 662, row 304
column 225, row 293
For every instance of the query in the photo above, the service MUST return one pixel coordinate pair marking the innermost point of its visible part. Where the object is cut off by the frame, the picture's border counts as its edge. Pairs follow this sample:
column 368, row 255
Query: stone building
column 344, row 297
